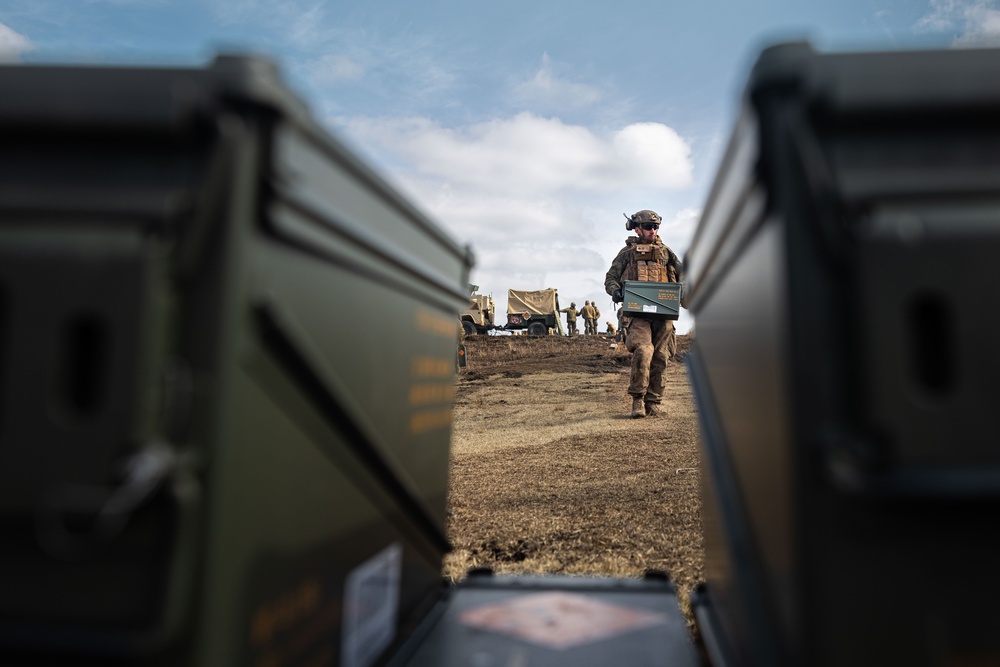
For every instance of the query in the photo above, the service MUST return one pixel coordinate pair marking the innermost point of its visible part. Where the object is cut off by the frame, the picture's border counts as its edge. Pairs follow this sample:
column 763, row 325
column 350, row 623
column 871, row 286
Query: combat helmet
column 636, row 219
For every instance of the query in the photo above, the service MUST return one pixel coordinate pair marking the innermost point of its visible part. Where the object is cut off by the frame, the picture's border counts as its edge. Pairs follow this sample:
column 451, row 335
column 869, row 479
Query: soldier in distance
column 589, row 318
column 645, row 257
column 571, row 314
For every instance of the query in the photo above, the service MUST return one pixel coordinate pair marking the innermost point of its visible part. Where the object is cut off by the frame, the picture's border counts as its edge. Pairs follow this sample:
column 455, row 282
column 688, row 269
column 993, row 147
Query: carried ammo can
column 844, row 283
column 651, row 299
column 227, row 352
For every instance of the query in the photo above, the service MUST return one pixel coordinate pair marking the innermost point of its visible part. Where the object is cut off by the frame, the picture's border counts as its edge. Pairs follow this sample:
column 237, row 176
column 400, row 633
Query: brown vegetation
column 549, row 475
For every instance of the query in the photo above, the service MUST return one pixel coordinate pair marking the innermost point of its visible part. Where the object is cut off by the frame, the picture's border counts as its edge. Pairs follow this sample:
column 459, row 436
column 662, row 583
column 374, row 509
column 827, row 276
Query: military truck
column 480, row 316
column 534, row 311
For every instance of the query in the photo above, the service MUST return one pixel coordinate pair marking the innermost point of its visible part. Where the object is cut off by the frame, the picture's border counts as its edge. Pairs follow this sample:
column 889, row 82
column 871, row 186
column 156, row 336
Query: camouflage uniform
column 650, row 340
column 571, row 314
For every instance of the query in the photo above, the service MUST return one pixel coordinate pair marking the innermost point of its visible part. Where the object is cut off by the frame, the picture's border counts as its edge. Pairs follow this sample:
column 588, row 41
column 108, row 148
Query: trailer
column 534, row 311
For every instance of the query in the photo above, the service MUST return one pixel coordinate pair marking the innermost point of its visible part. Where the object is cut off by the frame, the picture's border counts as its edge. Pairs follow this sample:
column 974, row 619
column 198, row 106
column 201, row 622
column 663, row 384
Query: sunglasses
column 649, row 225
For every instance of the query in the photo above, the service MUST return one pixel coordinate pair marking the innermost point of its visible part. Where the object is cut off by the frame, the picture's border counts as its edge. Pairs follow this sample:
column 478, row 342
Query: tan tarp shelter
column 537, row 302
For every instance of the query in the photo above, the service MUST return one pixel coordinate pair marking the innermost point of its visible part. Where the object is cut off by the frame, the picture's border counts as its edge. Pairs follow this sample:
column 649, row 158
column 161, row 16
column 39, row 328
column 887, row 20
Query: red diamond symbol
column 559, row 620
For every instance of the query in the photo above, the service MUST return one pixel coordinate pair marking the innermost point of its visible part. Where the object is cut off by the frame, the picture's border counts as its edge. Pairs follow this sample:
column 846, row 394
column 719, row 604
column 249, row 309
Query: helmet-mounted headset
column 644, row 216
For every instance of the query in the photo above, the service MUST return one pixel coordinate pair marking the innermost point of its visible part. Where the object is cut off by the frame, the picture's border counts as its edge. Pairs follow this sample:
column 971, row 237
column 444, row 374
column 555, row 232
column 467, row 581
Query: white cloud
column 982, row 28
column 652, row 154
column 678, row 232
column 334, row 68
column 13, row 44
column 530, row 155
column 540, row 201
column 976, row 21
column 546, row 89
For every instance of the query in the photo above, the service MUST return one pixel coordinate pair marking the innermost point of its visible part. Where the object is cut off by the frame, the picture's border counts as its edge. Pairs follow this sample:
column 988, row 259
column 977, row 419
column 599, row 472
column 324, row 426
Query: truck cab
column 480, row 316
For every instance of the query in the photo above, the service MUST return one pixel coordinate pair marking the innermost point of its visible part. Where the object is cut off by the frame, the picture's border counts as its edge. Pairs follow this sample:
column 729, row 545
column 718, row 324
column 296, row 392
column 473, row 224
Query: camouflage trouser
column 590, row 325
column 650, row 342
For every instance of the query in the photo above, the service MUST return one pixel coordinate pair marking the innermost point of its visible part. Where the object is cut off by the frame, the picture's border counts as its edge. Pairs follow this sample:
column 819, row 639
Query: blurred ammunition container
column 844, row 284
column 204, row 458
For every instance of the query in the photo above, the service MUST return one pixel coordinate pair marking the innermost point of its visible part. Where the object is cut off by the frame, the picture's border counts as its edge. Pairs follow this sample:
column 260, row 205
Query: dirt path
column 549, row 475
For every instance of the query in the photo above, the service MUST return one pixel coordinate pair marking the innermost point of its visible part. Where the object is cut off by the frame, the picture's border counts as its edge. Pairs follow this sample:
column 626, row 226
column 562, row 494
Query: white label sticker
column 371, row 603
column 648, row 308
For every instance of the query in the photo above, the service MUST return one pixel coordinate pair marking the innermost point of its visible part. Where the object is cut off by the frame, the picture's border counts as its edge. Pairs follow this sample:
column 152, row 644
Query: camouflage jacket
column 616, row 274
column 588, row 312
column 571, row 313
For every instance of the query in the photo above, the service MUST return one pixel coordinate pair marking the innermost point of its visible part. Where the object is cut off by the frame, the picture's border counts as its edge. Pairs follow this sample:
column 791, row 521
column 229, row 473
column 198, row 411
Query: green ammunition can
column 227, row 357
column 843, row 278
column 660, row 300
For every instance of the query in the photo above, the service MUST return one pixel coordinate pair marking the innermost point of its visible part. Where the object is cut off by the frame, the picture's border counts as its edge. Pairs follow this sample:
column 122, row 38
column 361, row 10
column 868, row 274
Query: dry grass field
column 550, row 475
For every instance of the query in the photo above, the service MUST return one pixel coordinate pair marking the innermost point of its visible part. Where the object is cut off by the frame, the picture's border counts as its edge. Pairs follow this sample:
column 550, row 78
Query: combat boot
column 637, row 408
column 653, row 410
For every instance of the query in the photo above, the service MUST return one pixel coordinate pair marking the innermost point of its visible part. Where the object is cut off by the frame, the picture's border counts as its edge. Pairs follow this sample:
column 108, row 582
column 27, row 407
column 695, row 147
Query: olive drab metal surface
column 651, row 299
column 227, row 352
column 556, row 621
column 843, row 280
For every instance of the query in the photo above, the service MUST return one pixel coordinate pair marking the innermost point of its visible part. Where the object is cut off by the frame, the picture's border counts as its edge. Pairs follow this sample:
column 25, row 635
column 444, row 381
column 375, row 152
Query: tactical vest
column 648, row 263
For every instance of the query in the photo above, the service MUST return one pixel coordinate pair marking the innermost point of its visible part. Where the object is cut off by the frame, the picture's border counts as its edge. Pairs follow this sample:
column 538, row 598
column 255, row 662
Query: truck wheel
column 537, row 329
column 469, row 328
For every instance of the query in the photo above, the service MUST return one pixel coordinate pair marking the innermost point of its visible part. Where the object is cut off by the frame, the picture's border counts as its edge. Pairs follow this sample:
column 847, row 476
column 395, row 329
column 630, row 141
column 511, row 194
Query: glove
column 617, row 296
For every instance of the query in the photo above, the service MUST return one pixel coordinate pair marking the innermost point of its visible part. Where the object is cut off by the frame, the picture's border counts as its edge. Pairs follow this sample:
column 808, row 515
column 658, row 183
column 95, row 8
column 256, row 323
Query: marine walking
column 649, row 339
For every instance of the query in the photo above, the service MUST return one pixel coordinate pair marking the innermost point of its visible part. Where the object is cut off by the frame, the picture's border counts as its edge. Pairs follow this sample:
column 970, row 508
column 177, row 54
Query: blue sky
column 524, row 128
